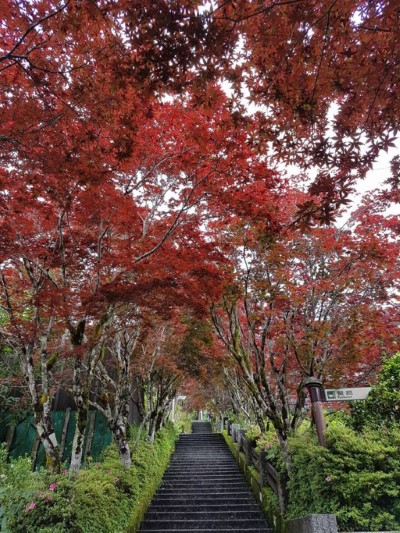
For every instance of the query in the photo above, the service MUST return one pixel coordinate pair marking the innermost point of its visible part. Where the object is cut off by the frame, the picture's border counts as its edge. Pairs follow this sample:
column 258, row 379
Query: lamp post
column 317, row 396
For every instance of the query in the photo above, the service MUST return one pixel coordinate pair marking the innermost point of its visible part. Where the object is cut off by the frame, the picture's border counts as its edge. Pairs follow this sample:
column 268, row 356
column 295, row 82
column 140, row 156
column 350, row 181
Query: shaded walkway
column 204, row 490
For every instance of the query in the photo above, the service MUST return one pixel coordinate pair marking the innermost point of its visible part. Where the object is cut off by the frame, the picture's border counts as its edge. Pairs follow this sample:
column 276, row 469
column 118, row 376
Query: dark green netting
column 5, row 420
column 70, row 437
column 102, row 436
column 25, row 436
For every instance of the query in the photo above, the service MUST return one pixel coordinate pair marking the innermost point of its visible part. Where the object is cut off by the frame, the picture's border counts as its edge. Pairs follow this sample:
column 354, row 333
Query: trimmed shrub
column 357, row 478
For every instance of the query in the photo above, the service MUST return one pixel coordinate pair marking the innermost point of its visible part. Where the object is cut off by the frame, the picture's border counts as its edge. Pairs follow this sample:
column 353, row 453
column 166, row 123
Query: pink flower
column 30, row 506
column 65, row 472
column 53, row 486
column 328, row 479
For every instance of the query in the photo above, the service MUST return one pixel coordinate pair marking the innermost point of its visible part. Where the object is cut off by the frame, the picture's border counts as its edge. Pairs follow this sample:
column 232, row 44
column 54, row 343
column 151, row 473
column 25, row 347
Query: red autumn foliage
column 129, row 178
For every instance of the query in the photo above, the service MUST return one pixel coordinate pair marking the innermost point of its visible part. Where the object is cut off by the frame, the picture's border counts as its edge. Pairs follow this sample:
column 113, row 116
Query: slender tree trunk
column 136, row 414
column 283, row 442
column 44, row 427
column 81, row 398
column 42, row 408
column 151, row 432
column 77, row 443
column 119, row 431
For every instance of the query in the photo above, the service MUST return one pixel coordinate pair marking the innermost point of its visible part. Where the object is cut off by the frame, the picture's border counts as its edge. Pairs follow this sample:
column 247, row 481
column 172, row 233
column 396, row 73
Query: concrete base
column 315, row 523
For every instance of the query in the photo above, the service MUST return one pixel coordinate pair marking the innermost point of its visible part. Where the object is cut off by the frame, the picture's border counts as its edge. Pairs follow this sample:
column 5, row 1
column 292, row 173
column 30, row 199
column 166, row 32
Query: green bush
column 102, row 498
column 253, row 432
column 357, row 478
column 382, row 407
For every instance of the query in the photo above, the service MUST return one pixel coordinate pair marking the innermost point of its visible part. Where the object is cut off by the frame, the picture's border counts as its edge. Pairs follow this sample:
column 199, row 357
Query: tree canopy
column 139, row 190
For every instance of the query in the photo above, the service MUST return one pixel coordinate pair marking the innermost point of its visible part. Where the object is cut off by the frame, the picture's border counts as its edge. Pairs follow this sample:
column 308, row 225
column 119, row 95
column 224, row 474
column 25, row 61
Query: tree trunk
column 44, row 427
column 42, row 407
column 82, row 406
column 119, row 432
column 283, row 442
column 151, row 432
column 136, row 414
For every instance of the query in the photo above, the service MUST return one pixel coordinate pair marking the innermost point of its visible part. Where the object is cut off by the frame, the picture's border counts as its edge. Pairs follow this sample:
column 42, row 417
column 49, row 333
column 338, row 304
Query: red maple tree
column 317, row 303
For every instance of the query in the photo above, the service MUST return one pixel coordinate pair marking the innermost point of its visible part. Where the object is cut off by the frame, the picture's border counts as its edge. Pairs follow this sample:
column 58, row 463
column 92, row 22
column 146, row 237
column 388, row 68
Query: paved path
column 204, row 490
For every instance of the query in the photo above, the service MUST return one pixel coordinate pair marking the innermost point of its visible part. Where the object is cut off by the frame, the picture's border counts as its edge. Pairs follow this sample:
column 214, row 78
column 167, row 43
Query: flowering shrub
column 30, row 506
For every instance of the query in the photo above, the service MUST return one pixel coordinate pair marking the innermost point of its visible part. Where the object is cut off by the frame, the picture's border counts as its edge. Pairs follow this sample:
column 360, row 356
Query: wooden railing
column 268, row 476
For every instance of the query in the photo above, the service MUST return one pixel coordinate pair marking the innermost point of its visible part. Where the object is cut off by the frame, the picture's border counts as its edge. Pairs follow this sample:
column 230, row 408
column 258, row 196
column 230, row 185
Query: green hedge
column 357, row 478
column 102, row 498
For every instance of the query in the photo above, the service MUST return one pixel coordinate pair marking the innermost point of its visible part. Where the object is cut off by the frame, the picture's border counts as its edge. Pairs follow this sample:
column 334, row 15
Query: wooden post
column 317, row 396
column 248, row 446
column 318, row 415
column 242, row 435
column 270, row 477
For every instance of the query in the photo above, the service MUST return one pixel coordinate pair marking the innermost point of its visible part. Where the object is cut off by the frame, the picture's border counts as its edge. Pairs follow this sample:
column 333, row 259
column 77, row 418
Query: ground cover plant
column 103, row 497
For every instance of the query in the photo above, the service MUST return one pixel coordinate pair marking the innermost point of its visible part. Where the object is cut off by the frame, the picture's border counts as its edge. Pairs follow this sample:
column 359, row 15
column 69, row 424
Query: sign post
column 317, row 396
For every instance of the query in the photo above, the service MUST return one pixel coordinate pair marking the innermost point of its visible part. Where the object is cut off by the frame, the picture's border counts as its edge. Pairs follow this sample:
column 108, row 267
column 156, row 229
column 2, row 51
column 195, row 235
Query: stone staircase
column 204, row 490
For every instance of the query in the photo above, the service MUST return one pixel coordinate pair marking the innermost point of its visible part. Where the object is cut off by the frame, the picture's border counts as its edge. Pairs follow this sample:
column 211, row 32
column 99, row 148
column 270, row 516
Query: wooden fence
column 268, row 476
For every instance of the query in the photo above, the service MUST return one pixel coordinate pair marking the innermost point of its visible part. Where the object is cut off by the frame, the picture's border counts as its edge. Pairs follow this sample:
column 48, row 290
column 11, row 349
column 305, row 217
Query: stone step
column 223, row 530
column 222, row 524
column 200, row 445
column 218, row 439
column 205, row 457
column 194, row 473
column 215, row 437
column 203, row 460
column 205, row 499
column 202, row 436
column 201, row 480
column 202, row 450
column 211, row 460
column 210, row 465
column 205, row 516
column 205, row 490
column 199, row 437
column 205, row 468
column 204, row 483
column 188, row 507
column 204, row 477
